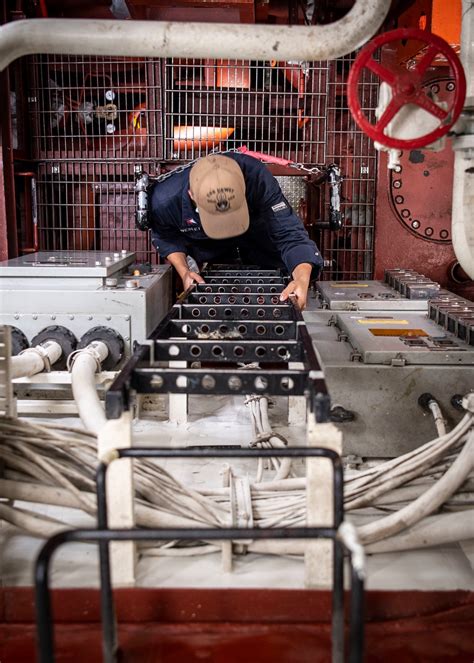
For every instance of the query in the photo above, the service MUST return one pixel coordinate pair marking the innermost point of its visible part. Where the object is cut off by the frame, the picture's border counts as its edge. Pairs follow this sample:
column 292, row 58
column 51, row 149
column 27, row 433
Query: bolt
column 90, row 317
column 17, row 316
column 71, row 317
column 35, row 317
column 53, row 317
column 157, row 381
column 108, row 317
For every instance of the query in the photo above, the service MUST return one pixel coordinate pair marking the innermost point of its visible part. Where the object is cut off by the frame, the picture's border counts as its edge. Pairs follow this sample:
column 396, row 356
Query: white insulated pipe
column 463, row 146
column 35, row 360
column 84, row 365
column 193, row 40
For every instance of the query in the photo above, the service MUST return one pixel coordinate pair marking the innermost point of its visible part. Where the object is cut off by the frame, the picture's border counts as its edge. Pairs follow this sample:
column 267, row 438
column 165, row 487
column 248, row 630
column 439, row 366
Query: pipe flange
column 112, row 339
column 19, row 342
column 65, row 339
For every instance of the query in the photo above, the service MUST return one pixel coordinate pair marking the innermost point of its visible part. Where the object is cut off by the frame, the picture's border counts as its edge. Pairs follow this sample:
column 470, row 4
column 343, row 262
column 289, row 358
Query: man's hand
column 189, row 278
column 299, row 286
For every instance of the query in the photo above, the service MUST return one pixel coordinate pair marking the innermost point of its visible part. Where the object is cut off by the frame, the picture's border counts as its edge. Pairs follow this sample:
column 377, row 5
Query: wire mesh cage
column 349, row 252
column 94, row 107
column 93, row 120
column 272, row 107
column 84, row 206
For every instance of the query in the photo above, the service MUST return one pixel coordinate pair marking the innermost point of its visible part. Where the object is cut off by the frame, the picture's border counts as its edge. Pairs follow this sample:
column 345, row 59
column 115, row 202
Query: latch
column 356, row 356
column 398, row 361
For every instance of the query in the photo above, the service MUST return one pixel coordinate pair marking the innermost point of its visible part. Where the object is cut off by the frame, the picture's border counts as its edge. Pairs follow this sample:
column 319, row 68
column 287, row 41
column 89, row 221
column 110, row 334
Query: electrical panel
column 79, row 290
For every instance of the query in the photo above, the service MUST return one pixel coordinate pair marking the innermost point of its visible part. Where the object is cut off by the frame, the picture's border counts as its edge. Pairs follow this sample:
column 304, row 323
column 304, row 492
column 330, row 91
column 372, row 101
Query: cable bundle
column 56, row 465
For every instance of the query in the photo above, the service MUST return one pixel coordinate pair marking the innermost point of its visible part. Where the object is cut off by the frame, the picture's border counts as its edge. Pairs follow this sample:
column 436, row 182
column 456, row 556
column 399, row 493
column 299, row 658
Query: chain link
column 179, row 169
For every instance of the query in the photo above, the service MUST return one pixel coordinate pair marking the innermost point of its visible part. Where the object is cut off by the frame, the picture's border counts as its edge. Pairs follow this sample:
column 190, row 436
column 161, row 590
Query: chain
column 179, row 169
column 311, row 171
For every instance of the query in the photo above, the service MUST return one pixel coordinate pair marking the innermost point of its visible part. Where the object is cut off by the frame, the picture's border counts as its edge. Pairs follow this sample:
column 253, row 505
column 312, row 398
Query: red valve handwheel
column 407, row 87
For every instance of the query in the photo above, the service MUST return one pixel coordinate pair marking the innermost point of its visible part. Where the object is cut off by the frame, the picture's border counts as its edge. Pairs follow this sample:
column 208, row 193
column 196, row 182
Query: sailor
column 226, row 207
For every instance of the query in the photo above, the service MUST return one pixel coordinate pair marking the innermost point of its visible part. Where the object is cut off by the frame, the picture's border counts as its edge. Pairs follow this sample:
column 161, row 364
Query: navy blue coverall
column 276, row 237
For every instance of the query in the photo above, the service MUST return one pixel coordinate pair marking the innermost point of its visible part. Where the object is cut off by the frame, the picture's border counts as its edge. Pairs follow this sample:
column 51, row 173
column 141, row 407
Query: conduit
column 162, row 39
column 84, row 364
column 427, row 503
column 35, row 360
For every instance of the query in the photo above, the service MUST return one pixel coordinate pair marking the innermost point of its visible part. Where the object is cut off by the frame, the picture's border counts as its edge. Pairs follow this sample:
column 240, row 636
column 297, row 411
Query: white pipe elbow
column 35, row 360
column 84, row 365
column 193, row 40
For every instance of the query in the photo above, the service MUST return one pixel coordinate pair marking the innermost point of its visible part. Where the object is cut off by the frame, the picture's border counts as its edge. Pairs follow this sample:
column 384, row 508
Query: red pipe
column 43, row 8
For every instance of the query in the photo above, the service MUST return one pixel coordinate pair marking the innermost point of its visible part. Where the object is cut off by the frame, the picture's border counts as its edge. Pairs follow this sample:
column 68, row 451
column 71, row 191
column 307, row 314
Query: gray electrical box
column 397, row 340
column 84, row 289
column 378, row 363
column 366, row 296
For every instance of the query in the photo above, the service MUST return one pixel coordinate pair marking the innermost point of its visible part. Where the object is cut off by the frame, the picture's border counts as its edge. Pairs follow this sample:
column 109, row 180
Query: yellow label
column 340, row 284
column 386, row 321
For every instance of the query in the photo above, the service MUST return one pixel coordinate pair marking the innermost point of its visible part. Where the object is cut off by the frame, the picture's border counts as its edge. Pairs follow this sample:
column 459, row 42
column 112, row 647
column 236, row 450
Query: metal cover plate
column 67, row 264
column 420, row 341
column 366, row 296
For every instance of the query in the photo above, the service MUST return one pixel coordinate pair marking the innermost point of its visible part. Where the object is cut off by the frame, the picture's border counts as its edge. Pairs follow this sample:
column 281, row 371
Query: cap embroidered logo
column 217, row 185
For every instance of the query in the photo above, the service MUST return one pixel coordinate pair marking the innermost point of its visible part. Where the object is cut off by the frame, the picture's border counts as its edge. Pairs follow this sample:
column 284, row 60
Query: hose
column 433, row 498
column 83, row 365
column 35, row 360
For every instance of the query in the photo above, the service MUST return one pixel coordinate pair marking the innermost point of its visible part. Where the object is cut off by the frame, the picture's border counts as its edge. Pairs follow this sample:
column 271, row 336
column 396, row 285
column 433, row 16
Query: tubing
column 434, row 531
column 85, row 363
column 193, row 40
column 440, row 421
column 35, row 360
column 433, row 498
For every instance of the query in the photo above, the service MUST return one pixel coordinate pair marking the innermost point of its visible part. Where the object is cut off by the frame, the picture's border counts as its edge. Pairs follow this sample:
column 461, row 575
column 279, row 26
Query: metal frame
column 103, row 536
column 294, row 110
column 238, row 335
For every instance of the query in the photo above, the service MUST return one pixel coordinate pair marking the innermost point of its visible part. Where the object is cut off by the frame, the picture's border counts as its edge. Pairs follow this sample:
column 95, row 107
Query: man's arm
column 299, row 253
column 299, row 286
column 179, row 262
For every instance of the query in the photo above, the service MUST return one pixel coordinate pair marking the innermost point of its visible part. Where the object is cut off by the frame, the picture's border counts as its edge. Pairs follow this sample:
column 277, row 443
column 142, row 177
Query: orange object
column 188, row 137
column 232, row 74
column 446, row 21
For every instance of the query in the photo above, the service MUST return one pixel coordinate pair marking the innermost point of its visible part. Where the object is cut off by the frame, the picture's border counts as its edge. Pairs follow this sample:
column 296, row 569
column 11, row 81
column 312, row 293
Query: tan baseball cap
column 217, row 186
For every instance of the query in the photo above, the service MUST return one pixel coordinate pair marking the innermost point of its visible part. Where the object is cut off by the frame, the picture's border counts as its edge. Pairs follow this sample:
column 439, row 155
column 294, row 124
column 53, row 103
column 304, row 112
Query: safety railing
column 103, row 536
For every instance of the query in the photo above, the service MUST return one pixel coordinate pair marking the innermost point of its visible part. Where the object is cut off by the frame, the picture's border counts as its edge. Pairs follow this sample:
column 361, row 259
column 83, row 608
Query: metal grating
column 350, row 251
column 7, row 402
column 86, row 108
column 183, row 109
column 89, row 207
column 277, row 108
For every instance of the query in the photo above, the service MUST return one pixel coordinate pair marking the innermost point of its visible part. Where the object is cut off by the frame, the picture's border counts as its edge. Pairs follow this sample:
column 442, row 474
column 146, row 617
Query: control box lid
column 404, row 338
column 366, row 296
column 67, row 264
